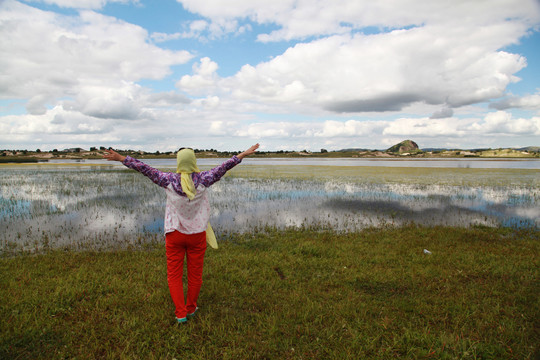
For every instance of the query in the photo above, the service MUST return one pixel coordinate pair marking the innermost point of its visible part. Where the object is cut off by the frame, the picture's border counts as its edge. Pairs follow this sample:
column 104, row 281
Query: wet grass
column 287, row 294
column 396, row 175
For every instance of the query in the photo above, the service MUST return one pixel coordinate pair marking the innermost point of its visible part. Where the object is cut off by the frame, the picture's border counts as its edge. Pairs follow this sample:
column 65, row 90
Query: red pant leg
column 177, row 245
column 175, row 250
column 195, row 261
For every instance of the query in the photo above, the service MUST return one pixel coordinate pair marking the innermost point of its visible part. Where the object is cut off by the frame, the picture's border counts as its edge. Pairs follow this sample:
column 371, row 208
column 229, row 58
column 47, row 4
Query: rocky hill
column 406, row 146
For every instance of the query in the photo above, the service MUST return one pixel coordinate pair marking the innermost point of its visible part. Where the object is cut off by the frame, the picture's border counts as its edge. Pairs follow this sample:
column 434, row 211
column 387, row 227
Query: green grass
column 295, row 294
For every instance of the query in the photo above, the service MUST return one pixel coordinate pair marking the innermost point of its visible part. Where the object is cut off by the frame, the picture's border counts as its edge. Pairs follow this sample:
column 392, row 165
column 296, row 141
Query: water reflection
column 101, row 209
column 346, row 206
column 472, row 163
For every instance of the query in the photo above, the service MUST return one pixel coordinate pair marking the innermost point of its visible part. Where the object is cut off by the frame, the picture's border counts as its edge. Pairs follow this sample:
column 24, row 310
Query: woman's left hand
column 112, row 155
column 248, row 152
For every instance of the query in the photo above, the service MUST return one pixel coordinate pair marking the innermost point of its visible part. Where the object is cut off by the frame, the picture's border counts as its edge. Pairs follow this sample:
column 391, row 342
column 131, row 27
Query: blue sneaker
column 193, row 313
column 181, row 320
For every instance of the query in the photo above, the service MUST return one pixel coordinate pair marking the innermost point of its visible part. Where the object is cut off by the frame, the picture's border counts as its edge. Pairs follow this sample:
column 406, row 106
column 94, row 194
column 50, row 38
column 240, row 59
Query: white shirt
column 184, row 215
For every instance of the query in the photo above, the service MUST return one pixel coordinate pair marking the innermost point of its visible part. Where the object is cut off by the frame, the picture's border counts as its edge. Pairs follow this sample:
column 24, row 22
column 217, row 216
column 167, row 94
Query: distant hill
column 530, row 148
column 406, row 146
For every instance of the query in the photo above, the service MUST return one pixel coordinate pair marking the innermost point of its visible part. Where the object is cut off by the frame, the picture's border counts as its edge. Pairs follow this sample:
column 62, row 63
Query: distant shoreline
column 40, row 161
column 500, row 154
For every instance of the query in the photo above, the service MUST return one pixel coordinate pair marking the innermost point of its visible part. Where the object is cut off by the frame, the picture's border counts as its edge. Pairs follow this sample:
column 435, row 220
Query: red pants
column 177, row 246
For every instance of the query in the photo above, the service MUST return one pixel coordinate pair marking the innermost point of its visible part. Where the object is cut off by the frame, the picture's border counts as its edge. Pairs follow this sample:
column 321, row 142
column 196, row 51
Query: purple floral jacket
column 181, row 214
column 164, row 179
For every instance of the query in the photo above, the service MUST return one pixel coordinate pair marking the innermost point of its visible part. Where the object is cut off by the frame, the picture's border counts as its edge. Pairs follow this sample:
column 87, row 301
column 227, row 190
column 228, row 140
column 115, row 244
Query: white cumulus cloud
column 298, row 19
column 55, row 56
column 374, row 73
column 346, row 73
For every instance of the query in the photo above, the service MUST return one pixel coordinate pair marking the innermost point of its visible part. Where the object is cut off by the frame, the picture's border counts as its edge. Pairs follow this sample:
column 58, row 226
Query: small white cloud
column 166, row 99
column 54, row 121
column 503, row 123
column 211, row 102
column 530, row 102
column 349, row 128
column 425, row 127
column 82, row 4
column 497, row 123
column 217, row 128
column 108, row 103
column 36, row 105
column 198, row 26
column 275, row 130
column 163, row 37
column 443, row 113
column 204, row 78
column 196, row 31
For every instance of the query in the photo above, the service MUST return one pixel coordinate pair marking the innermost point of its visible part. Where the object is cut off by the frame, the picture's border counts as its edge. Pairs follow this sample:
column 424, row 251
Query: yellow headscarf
column 186, row 164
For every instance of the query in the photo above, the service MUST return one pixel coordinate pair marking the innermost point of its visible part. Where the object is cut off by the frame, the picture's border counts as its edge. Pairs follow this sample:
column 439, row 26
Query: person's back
column 187, row 215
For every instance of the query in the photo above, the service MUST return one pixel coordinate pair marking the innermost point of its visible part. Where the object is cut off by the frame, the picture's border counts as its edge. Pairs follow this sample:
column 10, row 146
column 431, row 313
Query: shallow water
column 468, row 163
column 81, row 208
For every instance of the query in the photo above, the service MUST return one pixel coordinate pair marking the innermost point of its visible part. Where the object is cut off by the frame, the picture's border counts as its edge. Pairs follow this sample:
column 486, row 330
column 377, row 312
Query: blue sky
column 289, row 74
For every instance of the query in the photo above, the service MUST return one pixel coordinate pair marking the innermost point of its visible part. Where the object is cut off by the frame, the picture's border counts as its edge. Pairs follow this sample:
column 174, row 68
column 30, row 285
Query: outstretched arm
column 248, row 152
column 209, row 177
column 112, row 155
column 158, row 177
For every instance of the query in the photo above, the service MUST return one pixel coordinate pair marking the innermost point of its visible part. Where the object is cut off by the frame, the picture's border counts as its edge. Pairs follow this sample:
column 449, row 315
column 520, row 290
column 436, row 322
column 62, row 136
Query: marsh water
column 473, row 163
column 107, row 206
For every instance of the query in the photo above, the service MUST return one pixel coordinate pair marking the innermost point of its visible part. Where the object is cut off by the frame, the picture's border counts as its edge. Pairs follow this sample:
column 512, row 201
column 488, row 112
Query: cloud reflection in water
column 101, row 209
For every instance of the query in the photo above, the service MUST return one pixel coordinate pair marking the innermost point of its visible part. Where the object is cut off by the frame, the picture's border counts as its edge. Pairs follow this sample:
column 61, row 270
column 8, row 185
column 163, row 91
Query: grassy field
column 295, row 294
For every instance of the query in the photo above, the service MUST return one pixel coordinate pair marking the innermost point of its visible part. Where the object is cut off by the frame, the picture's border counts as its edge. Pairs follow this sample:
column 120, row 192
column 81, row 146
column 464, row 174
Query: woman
column 186, row 219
